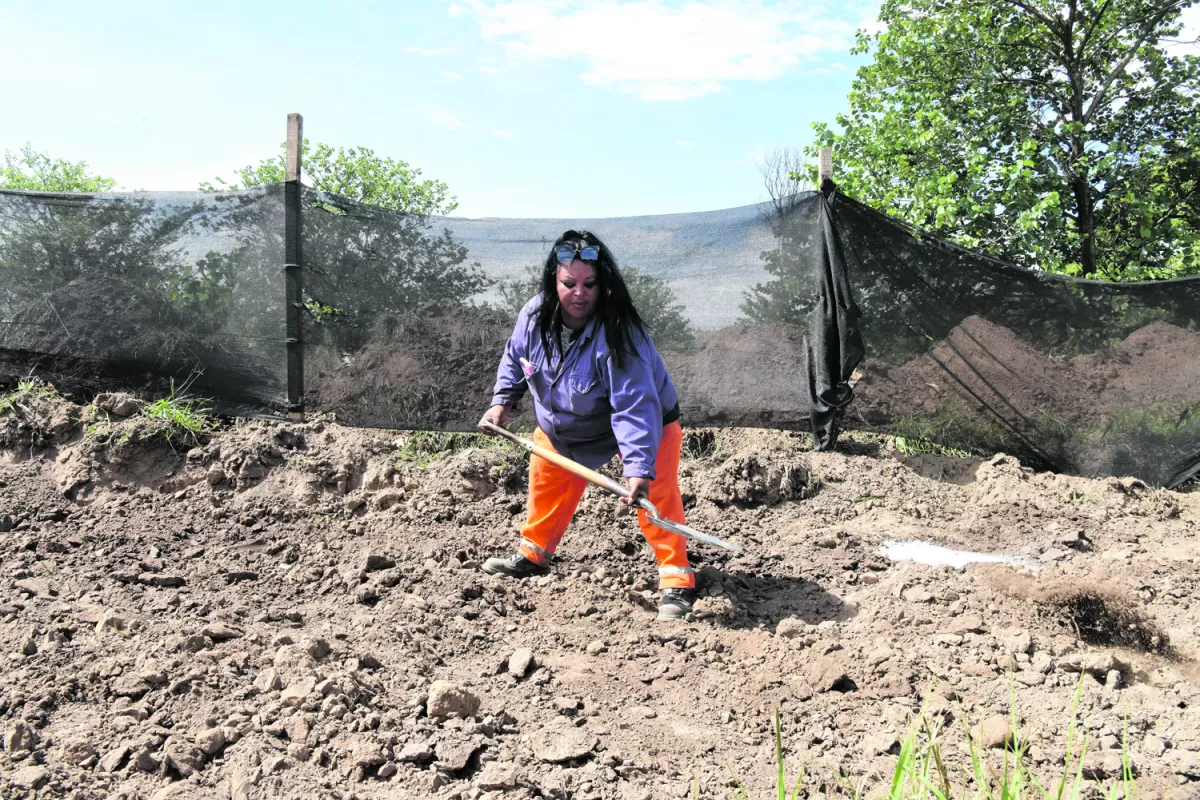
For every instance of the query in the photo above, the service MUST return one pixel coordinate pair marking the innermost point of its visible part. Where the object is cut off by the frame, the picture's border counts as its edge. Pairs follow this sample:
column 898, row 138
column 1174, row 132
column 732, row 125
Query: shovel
column 608, row 484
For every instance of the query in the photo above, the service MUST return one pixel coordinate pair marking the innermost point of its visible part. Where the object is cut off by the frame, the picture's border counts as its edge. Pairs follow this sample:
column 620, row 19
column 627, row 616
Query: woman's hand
column 638, row 488
column 497, row 415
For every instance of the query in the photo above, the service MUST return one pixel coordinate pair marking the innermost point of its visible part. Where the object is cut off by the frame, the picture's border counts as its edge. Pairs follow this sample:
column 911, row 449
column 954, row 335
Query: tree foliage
column 368, row 267
column 30, row 171
column 1059, row 135
column 663, row 314
column 354, row 173
column 375, row 267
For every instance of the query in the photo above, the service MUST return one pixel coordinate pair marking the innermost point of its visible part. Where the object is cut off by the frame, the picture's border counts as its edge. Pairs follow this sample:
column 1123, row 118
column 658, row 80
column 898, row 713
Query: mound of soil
column 438, row 372
column 298, row 611
column 744, row 375
column 435, row 372
column 1065, row 408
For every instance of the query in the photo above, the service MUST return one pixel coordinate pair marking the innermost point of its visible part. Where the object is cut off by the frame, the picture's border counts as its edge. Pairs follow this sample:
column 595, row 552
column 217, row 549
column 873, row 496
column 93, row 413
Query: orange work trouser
column 554, row 494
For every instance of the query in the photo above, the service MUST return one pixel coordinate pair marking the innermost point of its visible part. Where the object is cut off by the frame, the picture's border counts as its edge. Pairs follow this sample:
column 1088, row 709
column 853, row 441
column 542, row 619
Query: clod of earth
column 447, row 699
column 520, row 662
column 561, row 744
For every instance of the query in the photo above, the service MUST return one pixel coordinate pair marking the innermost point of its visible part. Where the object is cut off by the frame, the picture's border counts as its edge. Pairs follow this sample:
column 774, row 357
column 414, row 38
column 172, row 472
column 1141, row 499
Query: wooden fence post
column 293, row 272
column 825, row 168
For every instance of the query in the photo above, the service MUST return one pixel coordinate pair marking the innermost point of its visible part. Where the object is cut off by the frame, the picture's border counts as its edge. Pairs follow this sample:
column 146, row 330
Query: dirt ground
column 298, row 611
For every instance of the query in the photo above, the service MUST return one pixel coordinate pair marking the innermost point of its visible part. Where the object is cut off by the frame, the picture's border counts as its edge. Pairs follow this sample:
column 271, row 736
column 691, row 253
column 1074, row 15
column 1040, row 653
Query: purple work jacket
column 590, row 409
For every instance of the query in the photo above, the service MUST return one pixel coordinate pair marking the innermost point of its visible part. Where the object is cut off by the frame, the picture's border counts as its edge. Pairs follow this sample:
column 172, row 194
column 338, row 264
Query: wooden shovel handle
column 590, row 475
column 605, row 482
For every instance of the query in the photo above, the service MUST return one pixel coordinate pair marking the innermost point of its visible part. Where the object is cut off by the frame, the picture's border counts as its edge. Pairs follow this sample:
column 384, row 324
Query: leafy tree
column 365, row 268
column 374, row 266
column 1060, row 135
column 29, row 171
column 663, row 314
column 792, row 293
column 356, row 174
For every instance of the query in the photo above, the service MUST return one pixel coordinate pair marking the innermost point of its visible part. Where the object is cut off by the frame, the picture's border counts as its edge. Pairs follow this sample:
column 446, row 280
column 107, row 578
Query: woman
column 599, row 388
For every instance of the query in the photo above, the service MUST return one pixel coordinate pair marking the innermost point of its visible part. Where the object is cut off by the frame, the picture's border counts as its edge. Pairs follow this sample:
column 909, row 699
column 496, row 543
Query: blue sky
column 543, row 108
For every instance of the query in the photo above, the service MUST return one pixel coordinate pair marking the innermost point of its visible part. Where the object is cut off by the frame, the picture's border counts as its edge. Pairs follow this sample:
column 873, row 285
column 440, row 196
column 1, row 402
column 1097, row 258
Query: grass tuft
column 28, row 390
column 922, row 771
column 178, row 419
column 182, row 419
column 920, row 447
column 419, row 448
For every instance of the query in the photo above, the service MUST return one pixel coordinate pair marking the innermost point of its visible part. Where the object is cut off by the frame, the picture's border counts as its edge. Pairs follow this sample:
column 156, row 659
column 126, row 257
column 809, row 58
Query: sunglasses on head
column 566, row 253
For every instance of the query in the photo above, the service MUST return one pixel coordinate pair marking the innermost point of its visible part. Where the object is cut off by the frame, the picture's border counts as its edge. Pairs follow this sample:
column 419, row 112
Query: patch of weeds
column 102, row 432
column 1152, row 441
column 300, row 461
column 419, row 448
column 28, row 390
column 922, row 771
column 27, row 414
column 323, row 519
column 702, row 444
column 920, row 447
column 950, row 432
column 178, row 418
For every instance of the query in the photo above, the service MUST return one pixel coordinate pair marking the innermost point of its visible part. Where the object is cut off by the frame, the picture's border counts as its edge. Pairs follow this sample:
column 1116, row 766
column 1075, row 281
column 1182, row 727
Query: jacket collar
column 588, row 332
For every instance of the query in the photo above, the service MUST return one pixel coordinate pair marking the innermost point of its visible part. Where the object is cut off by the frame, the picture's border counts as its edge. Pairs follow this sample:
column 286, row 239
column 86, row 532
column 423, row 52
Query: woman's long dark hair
column 614, row 307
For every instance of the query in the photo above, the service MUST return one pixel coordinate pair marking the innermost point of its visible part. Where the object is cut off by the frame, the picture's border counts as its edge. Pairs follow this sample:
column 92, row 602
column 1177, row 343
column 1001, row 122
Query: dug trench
column 298, row 611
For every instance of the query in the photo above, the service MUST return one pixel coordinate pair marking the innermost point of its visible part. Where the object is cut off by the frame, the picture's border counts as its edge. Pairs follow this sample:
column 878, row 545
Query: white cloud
column 431, row 52
column 443, row 118
column 489, row 70
column 661, row 50
column 686, row 143
column 452, row 76
column 503, row 134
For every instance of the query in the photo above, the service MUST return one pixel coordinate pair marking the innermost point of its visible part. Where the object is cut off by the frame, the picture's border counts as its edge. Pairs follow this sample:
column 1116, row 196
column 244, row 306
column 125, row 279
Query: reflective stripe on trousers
column 554, row 494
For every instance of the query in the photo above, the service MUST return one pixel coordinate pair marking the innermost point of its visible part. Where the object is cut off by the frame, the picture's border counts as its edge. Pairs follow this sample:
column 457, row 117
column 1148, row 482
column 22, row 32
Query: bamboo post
column 293, row 272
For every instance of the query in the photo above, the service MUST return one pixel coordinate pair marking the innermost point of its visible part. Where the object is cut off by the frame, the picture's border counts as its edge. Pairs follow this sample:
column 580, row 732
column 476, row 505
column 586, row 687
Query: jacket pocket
column 584, row 395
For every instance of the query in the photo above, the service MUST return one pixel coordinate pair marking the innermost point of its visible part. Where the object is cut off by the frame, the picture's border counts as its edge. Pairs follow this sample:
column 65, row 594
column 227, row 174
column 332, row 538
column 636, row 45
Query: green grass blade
column 799, row 780
column 780, row 780
column 738, row 790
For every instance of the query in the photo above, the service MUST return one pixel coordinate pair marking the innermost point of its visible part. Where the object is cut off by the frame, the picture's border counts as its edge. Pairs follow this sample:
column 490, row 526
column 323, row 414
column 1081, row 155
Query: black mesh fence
column 766, row 316
column 409, row 315
column 1078, row 376
column 136, row 291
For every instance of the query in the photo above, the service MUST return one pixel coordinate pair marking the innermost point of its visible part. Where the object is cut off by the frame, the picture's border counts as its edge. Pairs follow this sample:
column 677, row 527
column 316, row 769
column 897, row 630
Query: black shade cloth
column 1079, row 376
column 808, row 313
column 136, row 291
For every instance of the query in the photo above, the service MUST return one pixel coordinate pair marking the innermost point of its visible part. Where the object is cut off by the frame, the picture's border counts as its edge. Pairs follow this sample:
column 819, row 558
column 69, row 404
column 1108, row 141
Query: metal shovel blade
column 684, row 530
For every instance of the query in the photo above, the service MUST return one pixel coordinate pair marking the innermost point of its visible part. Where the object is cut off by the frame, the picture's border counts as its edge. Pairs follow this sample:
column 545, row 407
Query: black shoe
column 676, row 603
column 515, row 566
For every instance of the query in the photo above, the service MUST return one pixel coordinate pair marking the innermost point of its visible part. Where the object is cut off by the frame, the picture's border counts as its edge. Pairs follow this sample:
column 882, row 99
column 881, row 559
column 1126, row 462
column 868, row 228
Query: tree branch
column 1045, row 19
column 1087, row 35
column 1124, row 62
column 1163, row 11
